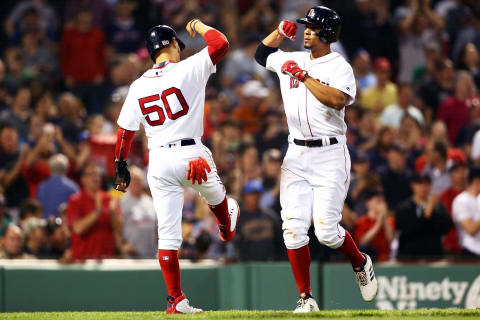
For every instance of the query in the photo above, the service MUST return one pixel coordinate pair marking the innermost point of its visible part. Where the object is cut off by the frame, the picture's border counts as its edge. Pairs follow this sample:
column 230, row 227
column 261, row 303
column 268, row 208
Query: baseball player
column 316, row 86
column 168, row 100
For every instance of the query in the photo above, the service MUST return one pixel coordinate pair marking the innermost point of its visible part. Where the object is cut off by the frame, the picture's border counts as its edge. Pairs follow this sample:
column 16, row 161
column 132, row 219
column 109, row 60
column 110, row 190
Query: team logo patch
column 164, row 258
column 311, row 13
column 165, row 42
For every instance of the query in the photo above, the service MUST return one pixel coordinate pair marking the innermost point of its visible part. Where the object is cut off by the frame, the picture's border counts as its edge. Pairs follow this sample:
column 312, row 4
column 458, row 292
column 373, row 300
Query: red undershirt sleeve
column 217, row 45
column 124, row 142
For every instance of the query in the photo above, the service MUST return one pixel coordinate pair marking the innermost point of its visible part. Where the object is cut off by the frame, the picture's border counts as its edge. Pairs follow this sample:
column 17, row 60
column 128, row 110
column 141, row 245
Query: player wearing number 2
column 316, row 87
column 168, row 100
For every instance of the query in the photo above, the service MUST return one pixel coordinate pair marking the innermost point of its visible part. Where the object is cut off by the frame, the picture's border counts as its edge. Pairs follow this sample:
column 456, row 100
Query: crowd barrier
column 129, row 285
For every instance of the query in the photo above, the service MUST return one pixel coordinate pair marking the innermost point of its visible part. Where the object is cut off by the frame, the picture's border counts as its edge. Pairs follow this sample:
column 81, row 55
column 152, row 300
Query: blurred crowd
column 413, row 132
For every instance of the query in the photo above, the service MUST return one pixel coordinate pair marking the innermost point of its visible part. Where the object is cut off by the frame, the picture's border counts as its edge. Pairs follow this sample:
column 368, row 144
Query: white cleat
column 367, row 281
column 180, row 305
column 234, row 212
column 306, row 305
column 185, row 307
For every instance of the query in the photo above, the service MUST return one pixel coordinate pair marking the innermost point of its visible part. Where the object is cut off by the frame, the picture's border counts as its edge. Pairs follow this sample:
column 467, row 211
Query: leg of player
column 328, row 205
column 226, row 209
column 295, row 198
column 168, row 202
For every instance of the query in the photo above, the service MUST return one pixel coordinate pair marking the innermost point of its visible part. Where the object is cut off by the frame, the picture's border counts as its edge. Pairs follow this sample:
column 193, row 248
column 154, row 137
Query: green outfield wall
column 238, row 286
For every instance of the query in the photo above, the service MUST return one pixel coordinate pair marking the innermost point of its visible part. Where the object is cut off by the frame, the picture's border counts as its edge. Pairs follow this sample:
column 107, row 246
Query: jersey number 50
column 155, row 108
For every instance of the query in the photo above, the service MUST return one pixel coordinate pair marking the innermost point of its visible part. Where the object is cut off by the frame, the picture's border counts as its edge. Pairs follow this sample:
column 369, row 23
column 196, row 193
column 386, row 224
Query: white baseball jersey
column 307, row 117
column 169, row 100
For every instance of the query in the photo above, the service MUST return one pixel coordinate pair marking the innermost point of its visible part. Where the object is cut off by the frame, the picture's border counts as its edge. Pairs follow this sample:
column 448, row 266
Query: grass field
column 443, row 314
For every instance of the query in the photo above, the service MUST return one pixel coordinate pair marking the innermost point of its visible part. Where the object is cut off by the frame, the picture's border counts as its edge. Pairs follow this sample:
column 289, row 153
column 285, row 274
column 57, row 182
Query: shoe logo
column 362, row 278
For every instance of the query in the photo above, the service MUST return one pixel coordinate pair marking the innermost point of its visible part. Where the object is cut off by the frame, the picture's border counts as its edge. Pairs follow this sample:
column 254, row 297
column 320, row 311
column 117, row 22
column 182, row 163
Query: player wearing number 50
column 316, row 87
column 168, row 100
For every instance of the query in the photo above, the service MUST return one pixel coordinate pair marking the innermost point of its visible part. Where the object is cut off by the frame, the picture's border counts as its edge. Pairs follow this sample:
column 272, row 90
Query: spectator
column 32, row 14
column 39, row 58
column 259, row 235
column 92, row 216
column 375, row 230
column 362, row 70
column 369, row 26
column 12, row 157
column 395, row 177
column 20, row 112
column 271, row 163
column 433, row 92
column 251, row 107
column 466, row 214
column 458, row 176
column 57, row 240
column 468, row 34
column 82, row 59
column 12, row 244
column 4, row 217
column 139, row 219
column 384, row 93
column 273, row 134
column 35, row 237
column 362, row 183
column 424, row 72
column 123, row 31
column 438, row 166
column 469, row 61
column 241, row 64
column 393, row 114
column 417, row 25
column 58, row 188
column 421, row 223
column 455, row 110
column 29, row 209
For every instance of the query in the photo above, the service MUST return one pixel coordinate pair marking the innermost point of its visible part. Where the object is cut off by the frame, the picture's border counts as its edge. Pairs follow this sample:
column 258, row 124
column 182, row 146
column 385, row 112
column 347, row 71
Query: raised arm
column 271, row 43
column 216, row 41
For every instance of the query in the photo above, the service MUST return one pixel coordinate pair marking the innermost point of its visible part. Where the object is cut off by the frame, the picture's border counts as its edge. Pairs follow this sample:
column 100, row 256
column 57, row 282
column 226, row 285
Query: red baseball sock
column 350, row 250
column 171, row 271
column 300, row 262
column 221, row 212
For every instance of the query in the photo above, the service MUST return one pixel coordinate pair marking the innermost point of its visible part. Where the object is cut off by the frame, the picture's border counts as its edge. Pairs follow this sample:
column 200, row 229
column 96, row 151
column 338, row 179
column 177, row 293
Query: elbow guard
column 262, row 54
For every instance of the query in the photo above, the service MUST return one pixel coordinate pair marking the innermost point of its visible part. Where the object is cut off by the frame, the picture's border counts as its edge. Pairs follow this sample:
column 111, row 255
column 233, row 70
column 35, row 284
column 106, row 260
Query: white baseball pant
column 166, row 178
column 314, row 184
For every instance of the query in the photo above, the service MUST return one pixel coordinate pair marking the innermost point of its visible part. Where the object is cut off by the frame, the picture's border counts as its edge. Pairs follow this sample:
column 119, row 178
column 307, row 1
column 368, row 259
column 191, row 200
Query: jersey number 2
column 155, row 108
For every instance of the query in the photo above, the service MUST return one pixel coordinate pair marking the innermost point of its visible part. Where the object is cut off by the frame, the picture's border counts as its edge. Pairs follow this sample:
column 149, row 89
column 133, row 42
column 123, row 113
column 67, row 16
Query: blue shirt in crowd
column 53, row 192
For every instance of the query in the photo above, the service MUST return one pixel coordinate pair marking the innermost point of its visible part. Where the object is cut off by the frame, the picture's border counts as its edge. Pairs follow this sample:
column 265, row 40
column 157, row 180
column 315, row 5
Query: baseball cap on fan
column 255, row 88
column 252, row 186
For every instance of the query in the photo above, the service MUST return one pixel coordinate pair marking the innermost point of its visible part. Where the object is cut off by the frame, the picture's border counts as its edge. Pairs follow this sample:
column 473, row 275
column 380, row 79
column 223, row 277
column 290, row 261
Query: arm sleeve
column 217, row 45
column 344, row 80
column 124, row 143
column 262, row 54
column 130, row 116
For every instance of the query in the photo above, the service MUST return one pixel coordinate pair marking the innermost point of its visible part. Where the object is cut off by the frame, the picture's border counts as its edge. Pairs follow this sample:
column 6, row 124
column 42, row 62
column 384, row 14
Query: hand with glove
column 197, row 170
column 292, row 69
column 287, row 29
column 121, row 180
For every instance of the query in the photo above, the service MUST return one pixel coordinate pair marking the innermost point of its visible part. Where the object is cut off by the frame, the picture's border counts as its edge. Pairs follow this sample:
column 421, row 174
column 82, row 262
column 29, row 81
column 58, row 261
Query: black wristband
column 262, row 53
